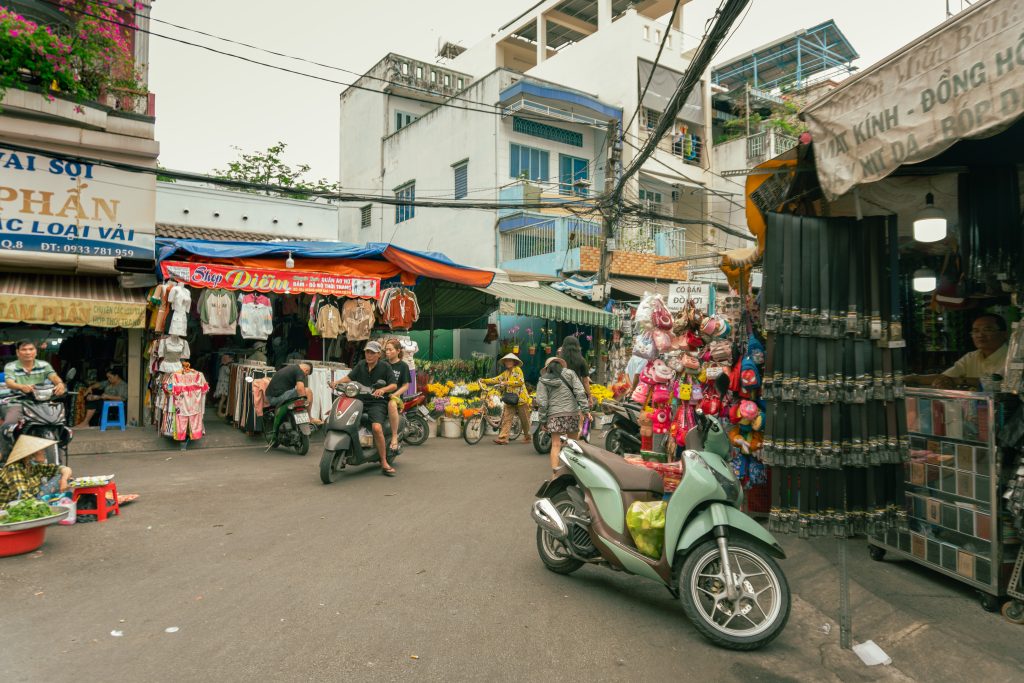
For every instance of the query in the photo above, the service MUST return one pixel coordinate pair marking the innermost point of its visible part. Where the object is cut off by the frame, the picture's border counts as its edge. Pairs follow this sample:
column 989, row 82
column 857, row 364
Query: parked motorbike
column 716, row 559
column 416, row 413
column 349, row 439
column 288, row 425
column 542, row 437
column 43, row 415
column 624, row 434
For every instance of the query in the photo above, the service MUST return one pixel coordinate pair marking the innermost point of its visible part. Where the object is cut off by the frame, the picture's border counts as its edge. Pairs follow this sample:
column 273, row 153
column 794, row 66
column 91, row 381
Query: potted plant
column 531, row 347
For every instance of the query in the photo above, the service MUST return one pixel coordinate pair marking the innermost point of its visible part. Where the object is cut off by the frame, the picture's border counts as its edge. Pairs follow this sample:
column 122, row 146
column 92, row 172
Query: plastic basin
column 20, row 542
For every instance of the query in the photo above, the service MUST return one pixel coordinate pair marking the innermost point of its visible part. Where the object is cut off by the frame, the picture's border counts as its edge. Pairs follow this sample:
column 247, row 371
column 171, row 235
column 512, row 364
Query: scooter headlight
column 351, row 390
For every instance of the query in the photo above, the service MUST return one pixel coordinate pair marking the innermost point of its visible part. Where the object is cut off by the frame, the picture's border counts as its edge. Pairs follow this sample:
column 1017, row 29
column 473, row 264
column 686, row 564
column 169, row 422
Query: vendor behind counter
column 989, row 333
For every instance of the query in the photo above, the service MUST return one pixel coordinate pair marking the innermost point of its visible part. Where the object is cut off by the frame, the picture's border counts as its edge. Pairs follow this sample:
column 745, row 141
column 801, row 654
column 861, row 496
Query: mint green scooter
column 715, row 558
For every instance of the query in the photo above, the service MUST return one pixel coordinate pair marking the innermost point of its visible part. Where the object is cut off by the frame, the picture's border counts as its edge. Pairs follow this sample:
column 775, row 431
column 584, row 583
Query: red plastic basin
column 19, row 542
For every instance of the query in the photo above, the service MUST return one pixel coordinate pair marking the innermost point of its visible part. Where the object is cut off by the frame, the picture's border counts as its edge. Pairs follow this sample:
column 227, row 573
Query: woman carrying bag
column 515, row 398
column 561, row 403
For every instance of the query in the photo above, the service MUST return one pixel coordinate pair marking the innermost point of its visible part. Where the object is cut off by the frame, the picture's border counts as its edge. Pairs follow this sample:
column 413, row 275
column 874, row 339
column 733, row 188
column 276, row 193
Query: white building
column 522, row 117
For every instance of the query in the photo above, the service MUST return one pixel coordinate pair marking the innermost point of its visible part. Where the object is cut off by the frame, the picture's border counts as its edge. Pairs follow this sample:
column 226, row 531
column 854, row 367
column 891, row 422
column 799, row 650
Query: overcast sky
column 206, row 102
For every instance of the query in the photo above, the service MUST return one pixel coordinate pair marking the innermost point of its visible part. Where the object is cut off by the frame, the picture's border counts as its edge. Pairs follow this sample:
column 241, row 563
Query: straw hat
column 26, row 446
column 512, row 357
column 554, row 359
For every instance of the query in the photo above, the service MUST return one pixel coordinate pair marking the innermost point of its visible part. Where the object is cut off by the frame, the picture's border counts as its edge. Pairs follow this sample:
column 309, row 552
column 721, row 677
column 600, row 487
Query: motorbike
column 416, row 413
column 349, row 439
column 542, row 437
column 43, row 415
column 288, row 425
column 624, row 434
column 716, row 560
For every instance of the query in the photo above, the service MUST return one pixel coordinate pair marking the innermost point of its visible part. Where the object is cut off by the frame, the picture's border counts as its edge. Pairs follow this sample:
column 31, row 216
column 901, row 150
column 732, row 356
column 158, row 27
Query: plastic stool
column 103, row 507
column 105, row 420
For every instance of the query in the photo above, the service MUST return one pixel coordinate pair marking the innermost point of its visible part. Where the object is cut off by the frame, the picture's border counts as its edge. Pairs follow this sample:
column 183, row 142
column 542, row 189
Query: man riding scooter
column 367, row 372
column 289, row 383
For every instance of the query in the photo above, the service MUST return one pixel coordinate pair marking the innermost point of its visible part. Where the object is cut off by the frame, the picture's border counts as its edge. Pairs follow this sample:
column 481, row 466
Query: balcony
column 687, row 148
column 768, row 144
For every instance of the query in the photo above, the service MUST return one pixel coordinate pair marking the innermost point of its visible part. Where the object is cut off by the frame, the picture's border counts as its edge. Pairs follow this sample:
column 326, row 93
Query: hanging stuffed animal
column 660, row 420
column 748, row 421
column 646, row 431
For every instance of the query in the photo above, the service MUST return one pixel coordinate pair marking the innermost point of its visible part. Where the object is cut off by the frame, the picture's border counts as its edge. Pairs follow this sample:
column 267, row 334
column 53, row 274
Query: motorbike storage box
column 646, row 523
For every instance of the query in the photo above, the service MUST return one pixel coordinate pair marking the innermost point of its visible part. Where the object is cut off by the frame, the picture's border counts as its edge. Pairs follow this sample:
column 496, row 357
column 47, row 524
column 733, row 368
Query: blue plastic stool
column 105, row 421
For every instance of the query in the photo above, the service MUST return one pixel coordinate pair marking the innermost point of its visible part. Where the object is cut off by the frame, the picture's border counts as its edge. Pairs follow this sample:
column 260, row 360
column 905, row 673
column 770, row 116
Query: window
column 571, row 170
column 404, row 212
column 651, row 118
column 365, row 216
column 657, row 35
column 433, row 77
column 651, row 200
column 461, row 171
column 647, row 32
column 405, row 68
column 528, row 162
column 402, row 119
column 462, row 84
column 447, row 81
column 419, row 72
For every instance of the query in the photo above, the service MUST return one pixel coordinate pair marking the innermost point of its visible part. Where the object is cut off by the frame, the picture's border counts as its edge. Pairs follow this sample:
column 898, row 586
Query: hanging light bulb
column 930, row 222
column 289, row 262
column 924, row 280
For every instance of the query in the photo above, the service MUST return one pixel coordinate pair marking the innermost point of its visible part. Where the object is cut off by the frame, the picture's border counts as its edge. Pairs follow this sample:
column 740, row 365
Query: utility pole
column 609, row 213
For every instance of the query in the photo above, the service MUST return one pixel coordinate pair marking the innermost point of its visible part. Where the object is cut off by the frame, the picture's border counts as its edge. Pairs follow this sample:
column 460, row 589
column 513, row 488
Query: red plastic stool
column 103, row 508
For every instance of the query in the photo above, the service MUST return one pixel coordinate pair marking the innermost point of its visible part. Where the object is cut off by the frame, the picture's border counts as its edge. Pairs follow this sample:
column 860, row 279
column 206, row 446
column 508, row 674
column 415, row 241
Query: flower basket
column 532, row 349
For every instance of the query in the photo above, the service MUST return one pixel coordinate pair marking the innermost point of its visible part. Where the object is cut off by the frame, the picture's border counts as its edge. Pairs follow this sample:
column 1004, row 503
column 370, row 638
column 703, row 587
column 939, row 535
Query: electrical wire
column 654, row 67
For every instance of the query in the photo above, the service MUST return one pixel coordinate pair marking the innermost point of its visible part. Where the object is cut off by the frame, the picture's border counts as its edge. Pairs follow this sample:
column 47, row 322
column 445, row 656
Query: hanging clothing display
column 180, row 300
column 218, row 312
column 169, row 352
column 328, row 321
column 158, row 299
column 319, row 383
column 186, row 397
column 357, row 316
column 256, row 319
column 399, row 308
column 835, row 431
column 409, row 350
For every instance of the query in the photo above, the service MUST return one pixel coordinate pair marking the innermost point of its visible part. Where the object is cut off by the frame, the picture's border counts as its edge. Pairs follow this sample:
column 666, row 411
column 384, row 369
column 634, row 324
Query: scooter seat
column 629, row 477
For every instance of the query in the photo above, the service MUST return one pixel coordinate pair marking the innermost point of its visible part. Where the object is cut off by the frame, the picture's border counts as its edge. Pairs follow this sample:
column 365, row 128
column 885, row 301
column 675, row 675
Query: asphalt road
column 431, row 575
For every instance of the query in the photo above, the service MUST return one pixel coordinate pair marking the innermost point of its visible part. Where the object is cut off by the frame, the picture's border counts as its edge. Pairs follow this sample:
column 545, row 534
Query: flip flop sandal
column 388, row 472
column 501, row 443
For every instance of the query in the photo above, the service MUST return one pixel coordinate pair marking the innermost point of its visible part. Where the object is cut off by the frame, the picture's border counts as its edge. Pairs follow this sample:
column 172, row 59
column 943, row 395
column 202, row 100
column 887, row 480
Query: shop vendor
column 27, row 475
column 114, row 389
column 989, row 334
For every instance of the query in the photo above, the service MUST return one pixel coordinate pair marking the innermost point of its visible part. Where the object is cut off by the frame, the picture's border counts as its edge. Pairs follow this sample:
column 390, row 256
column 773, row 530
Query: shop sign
column 965, row 80
column 681, row 293
column 269, row 280
column 67, row 207
column 76, row 312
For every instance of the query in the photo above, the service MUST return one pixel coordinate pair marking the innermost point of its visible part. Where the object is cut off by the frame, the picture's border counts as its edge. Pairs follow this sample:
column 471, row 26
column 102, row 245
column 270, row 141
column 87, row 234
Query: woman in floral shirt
column 512, row 381
column 26, row 474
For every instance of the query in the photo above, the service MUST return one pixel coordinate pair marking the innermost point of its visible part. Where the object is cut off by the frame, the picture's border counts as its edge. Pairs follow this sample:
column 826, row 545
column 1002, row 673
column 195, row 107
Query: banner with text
column 269, row 280
column 966, row 80
column 682, row 293
column 66, row 207
column 16, row 308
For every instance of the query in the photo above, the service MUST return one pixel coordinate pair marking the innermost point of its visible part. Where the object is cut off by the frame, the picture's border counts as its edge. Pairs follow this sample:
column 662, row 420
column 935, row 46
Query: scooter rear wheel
column 613, row 442
column 418, row 430
column 553, row 552
column 760, row 613
column 542, row 441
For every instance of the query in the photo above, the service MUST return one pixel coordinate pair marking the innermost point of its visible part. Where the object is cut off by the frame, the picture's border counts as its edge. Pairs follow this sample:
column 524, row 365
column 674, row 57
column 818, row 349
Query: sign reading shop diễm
column 965, row 80
column 245, row 279
column 67, row 207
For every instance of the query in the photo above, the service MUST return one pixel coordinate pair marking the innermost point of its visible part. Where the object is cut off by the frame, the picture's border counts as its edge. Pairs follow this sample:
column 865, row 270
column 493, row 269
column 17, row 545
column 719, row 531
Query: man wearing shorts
column 367, row 372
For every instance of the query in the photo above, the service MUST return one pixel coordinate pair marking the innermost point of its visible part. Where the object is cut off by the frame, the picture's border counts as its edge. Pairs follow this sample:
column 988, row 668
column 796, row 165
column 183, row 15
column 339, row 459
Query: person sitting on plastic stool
column 27, row 475
column 114, row 389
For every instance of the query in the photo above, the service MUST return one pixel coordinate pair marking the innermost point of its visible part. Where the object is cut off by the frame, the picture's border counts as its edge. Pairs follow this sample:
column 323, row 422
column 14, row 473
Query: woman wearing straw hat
column 514, row 385
column 27, row 475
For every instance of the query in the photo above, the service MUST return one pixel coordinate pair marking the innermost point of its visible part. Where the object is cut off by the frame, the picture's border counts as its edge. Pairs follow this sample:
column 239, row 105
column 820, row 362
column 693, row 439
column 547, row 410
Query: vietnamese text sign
column 964, row 81
column 66, row 207
column 49, row 311
column 245, row 279
column 702, row 296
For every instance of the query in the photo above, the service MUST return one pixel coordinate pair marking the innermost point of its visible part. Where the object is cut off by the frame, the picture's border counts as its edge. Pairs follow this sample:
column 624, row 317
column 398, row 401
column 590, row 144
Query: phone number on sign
column 83, row 249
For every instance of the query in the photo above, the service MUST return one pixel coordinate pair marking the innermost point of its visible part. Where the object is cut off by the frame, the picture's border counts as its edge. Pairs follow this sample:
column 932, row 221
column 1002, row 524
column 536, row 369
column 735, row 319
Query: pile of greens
column 26, row 510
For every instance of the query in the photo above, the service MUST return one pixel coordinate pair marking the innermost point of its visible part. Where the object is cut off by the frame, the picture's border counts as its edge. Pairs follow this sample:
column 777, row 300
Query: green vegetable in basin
column 26, row 510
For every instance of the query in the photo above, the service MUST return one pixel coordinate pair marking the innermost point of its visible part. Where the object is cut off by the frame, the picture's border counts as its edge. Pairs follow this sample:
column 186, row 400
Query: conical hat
column 27, row 445
column 512, row 357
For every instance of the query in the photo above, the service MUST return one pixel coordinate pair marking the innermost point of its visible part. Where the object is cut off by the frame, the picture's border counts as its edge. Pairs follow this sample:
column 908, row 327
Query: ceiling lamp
column 289, row 262
column 930, row 223
column 924, row 280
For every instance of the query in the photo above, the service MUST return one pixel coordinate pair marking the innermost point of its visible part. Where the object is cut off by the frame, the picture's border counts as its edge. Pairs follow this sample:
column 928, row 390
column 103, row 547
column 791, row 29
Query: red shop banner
column 269, row 280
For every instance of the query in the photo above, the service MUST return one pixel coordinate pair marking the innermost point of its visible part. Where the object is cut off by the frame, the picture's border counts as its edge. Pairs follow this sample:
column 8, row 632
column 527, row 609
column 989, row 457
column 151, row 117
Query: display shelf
column 952, row 502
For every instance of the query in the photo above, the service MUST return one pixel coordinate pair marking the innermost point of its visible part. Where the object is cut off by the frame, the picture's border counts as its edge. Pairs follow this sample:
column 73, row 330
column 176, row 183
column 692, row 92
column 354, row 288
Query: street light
column 930, row 223
column 289, row 262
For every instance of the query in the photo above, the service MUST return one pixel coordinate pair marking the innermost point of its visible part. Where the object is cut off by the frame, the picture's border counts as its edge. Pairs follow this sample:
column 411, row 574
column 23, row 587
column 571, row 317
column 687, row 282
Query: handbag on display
column 643, row 347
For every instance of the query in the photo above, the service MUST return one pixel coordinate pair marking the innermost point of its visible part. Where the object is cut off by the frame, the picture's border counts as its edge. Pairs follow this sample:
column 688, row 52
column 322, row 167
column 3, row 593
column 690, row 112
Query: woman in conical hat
column 514, row 384
column 27, row 475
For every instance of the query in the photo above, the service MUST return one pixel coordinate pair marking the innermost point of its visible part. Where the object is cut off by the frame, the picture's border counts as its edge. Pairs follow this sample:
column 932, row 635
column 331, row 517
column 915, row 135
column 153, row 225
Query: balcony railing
column 688, row 147
column 768, row 144
column 553, row 236
column 130, row 101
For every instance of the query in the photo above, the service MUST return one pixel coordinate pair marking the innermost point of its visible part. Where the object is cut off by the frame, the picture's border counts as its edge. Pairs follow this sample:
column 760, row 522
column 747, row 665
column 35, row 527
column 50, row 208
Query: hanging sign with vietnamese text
column 965, row 80
column 701, row 295
column 67, row 207
column 269, row 280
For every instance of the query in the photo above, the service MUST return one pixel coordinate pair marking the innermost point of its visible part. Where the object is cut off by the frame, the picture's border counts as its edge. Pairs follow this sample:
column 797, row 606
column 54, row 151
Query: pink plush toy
column 660, row 421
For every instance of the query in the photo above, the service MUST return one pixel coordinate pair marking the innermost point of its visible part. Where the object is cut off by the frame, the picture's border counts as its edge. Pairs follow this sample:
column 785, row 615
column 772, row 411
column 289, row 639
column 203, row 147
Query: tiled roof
column 188, row 232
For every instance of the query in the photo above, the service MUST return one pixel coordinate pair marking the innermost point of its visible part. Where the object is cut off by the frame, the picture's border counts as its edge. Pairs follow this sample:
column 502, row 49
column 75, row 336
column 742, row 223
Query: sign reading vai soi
column 245, row 279
column 67, row 207
column 681, row 293
column 965, row 80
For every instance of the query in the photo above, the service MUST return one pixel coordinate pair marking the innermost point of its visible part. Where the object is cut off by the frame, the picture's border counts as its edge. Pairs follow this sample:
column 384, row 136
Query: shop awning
column 954, row 83
column 635, row 289
column 428, row 264
column 540, row 301
column 70, row 300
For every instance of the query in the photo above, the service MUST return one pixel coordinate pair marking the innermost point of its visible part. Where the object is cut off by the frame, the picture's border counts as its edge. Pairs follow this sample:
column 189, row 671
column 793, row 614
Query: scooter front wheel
column 331, row 465
column 760, row 612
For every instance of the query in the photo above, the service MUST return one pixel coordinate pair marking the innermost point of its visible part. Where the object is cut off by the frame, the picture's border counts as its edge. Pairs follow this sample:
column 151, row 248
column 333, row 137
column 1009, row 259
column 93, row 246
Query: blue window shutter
column 461, row 180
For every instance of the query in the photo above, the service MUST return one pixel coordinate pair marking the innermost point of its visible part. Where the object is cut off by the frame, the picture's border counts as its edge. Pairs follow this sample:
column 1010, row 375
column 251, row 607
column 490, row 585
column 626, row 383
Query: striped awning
column 541, row 301
column 635, row 289
column 70, row 300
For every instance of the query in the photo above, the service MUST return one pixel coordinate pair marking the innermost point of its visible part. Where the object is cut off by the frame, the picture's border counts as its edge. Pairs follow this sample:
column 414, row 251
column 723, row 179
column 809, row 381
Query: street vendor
column 989, row 334
column 514, row 387
column 114, row 389
column 27, row 475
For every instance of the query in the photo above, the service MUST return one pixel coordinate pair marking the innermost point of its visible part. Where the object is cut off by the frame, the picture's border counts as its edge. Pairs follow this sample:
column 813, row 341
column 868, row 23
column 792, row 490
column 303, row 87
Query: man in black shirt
column 367, row 372
column 289, row 383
